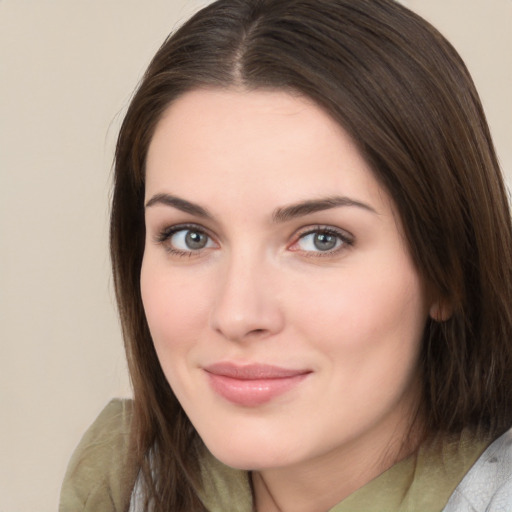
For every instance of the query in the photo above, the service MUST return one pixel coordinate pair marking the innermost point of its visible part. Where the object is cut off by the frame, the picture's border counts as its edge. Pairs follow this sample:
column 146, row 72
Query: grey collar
column 487, row 487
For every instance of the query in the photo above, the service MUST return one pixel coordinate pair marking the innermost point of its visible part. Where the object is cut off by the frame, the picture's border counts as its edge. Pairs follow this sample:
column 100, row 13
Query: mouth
column 254, row 384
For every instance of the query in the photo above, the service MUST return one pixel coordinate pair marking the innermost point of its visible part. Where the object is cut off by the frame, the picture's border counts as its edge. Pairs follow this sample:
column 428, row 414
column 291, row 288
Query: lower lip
column 252, row 392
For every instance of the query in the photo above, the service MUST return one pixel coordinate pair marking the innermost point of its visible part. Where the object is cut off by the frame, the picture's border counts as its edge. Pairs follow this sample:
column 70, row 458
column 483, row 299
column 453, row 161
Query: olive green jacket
column 98, row 478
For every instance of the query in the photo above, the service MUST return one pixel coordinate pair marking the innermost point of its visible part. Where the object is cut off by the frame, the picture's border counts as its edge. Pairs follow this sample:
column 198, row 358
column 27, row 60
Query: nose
column 246, row 305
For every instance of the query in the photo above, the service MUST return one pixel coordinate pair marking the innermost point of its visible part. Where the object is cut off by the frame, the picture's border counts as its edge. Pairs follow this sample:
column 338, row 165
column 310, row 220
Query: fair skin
column 270, row 244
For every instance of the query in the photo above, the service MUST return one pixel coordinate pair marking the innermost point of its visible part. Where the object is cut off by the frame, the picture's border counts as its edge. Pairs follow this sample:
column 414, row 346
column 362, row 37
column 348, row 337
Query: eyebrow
column 179, row 204
column 280, row 215
column 316, row 205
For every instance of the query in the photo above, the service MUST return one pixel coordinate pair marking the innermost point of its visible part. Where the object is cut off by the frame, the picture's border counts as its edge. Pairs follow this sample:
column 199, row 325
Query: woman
column 311, row 245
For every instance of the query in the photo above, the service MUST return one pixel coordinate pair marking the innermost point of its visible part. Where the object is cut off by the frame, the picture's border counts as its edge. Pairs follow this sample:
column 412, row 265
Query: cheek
column 365, row 312
column 176, row 308
column 368, row 329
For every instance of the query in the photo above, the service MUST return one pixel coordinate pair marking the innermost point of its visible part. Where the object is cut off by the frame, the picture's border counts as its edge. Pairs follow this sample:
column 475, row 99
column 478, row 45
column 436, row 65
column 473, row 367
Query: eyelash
column 166, row 234
column 346, row 240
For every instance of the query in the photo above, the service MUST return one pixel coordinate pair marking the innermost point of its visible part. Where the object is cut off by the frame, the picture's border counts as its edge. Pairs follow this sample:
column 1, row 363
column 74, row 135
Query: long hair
column 403, row 94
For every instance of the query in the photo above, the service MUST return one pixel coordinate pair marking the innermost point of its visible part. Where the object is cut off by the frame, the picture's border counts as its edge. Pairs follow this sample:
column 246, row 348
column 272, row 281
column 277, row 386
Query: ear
column 441, row 310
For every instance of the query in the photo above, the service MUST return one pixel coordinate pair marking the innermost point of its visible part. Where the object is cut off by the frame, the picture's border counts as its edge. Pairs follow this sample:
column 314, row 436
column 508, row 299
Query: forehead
column 273, row 143
column 225, row 117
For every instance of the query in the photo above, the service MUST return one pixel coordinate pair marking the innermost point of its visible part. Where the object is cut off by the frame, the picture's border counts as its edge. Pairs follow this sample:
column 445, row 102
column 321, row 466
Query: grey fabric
column 487, row 487
column 137, row 498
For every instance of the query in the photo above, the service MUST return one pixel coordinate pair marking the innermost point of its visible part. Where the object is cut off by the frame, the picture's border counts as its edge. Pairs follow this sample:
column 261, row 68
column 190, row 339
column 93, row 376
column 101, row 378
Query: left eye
column 190, row 240
column 320, row 241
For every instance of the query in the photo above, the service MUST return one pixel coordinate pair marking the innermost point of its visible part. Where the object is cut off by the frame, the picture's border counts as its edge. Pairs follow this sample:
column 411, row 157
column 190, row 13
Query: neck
column 322, row 482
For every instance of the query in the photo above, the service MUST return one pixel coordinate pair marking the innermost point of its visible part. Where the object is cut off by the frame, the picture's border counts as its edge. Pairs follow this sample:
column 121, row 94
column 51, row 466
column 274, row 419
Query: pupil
column 195, row 240
column 324, row 241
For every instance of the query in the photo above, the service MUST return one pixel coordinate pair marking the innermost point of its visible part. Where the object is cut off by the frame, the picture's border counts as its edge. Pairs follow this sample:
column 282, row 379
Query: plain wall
column 67, row 70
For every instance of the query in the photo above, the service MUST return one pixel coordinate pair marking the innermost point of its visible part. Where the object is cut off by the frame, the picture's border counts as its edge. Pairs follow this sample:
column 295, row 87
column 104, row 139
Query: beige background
column 67, row 69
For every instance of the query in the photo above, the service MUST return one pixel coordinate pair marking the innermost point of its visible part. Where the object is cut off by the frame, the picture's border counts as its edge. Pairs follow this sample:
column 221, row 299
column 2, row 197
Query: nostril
column 257, row 331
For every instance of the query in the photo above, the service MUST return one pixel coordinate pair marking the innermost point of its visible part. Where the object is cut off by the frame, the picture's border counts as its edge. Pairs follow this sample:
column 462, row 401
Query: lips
column 254, row 384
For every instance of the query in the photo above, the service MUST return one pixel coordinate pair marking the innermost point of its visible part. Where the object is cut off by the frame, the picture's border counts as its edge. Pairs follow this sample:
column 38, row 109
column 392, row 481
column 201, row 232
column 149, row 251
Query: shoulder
column 487, row 487
column 99, row 477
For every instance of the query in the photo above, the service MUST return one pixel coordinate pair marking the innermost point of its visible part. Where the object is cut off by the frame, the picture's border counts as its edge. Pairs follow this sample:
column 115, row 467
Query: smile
column 252, row 385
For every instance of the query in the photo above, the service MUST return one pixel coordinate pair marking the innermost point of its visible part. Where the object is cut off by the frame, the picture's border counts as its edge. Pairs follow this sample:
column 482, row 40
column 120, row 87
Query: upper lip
column 253, row 371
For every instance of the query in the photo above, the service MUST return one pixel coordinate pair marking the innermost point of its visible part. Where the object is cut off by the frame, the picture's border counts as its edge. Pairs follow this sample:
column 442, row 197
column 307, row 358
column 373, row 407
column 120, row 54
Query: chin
column 249, row 454
column 249, row 461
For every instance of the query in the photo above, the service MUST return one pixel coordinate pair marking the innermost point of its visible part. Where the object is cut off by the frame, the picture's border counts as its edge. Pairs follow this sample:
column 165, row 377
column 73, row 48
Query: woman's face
column 284, row 307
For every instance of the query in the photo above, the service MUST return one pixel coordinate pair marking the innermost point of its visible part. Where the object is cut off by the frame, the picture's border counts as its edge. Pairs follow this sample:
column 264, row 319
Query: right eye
column 184, row 241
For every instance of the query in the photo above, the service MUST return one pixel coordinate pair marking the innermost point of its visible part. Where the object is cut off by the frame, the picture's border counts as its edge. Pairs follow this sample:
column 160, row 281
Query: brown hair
column 404, row 95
